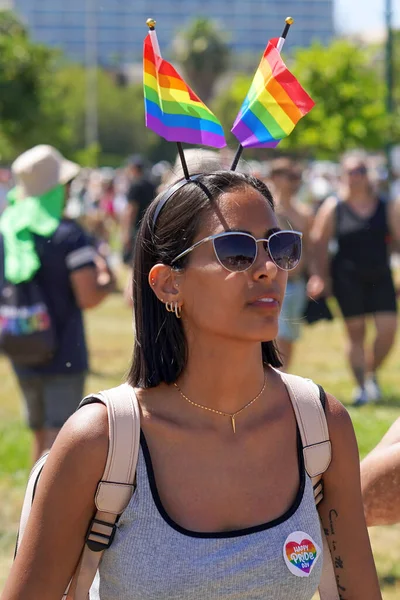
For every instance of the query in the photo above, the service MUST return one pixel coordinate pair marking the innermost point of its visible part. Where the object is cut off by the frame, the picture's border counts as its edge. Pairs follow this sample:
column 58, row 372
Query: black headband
column 174, row 188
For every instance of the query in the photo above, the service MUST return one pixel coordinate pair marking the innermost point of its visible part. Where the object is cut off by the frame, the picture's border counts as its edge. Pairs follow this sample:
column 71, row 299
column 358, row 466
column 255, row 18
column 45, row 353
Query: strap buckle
column 106, row 539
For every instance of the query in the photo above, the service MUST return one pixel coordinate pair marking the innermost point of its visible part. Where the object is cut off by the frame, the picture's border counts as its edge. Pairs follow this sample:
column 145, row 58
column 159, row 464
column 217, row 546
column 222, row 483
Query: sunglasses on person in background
column 290, row 175
column 357, row 171
column 237, row 251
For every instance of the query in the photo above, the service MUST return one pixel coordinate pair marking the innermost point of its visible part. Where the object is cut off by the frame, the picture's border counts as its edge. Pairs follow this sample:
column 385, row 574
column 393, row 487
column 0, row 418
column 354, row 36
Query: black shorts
column 360, row 293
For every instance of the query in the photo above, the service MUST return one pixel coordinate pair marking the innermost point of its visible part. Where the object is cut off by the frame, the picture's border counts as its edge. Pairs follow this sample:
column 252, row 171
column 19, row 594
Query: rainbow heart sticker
column 300, row 553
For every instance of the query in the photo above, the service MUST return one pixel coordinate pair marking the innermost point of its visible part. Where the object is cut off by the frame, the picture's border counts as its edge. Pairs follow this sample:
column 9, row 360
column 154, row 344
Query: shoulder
column 68, row 228
column 76, row 245
column 82, row 445
column 341, row 431
column 324, row 222
column 392, row 207
column 303, row 210
column 299, row 216
column 87, row 430
column 331, row 204
column 70, row 234
column 134, row 188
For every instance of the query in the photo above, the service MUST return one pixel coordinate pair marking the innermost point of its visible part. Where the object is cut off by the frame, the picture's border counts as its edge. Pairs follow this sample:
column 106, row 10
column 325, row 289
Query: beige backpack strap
column 28, row 498
column 310, row 416
column 116, row 487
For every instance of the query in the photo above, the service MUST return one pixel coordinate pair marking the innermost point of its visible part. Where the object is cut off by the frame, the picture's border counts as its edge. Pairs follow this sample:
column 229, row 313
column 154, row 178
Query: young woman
column 359, row 274
column 221, row 484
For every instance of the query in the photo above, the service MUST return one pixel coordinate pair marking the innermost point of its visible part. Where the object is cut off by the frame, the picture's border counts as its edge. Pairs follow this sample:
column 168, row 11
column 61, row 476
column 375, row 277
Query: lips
column 267, row 298
column 266, row 301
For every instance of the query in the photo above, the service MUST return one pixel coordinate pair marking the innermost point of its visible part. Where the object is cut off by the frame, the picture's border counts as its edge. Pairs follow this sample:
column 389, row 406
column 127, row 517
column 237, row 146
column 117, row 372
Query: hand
column 105, row 277
column 317, row 287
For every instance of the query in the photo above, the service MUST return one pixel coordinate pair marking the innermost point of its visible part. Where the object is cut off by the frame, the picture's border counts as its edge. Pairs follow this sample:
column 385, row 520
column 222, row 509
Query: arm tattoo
column 337, row 560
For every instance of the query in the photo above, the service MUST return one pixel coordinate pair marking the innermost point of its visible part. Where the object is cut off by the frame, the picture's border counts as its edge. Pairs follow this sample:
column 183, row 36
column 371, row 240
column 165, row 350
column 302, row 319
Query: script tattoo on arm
column 337, row 560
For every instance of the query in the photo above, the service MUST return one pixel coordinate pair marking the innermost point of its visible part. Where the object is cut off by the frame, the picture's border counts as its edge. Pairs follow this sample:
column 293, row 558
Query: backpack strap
column 116, row 487
column 305, row 396
column 28, row 498
column 310, row 416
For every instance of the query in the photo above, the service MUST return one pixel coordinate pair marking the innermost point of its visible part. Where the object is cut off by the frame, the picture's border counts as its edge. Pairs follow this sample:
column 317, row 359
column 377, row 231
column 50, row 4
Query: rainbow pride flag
column 274, row 103
column 172, row 109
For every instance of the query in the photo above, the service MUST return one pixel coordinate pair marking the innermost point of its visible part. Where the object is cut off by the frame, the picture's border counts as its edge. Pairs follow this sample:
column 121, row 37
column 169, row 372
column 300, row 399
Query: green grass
column 320, row 355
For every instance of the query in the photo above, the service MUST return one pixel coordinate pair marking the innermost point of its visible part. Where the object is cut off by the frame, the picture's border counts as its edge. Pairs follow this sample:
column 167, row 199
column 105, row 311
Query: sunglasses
column 357, row 171
column 237, row 251
column 290, row 175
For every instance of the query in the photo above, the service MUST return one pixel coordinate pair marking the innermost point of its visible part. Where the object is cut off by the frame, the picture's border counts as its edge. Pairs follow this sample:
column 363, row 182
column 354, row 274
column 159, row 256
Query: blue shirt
column 65, row 252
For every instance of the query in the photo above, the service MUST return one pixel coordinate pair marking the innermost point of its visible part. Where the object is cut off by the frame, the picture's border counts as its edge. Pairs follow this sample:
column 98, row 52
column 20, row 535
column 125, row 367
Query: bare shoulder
column 341, row 431
column 337, row 416
column 304, row 210
column 87, row 427
column 305, row 216
column 82, row 445
column 394, row 207
column 328, row 207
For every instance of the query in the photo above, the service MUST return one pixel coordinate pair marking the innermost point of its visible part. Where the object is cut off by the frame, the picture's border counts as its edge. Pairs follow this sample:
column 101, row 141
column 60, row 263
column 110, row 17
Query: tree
column 204, row 55
column 30, row 101
column 349, row 96
column 121, row 121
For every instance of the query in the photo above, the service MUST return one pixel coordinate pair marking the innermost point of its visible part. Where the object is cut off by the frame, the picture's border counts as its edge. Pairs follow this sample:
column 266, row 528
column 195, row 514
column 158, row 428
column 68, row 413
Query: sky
column 364, row 15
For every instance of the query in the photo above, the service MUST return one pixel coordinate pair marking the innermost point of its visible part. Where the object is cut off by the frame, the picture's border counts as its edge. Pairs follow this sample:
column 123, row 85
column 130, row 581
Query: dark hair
column 160, row 348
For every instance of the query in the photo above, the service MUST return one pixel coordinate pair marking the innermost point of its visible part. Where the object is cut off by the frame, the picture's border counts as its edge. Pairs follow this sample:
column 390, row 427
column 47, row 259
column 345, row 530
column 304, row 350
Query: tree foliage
column 42, row 99
column 349, row 95
column 121, row 124
column 350, row 100
column 202, row 51
column 30, row 102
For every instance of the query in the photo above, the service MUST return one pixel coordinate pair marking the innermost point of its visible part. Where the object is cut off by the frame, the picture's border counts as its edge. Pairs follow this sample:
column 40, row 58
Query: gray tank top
column 153, row 557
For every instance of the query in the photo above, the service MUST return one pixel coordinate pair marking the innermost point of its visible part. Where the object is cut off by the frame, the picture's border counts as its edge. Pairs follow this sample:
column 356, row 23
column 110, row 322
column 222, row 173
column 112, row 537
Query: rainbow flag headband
column 273, row 106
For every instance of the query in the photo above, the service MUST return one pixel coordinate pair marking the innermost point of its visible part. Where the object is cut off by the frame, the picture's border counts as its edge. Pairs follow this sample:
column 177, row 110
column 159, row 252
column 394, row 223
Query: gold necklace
column 220, row 412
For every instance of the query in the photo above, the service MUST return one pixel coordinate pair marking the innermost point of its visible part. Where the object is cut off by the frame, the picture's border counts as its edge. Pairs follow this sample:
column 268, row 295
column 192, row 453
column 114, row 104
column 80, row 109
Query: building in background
column 119, row 25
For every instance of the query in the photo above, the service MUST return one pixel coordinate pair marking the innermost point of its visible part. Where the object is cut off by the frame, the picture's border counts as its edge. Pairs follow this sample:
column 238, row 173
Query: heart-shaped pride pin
column 300, row 553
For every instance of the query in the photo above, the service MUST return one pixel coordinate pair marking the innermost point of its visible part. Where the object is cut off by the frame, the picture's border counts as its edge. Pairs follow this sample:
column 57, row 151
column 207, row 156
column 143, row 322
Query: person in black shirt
column 364, row 228
column 140, row 193
column 72, row 277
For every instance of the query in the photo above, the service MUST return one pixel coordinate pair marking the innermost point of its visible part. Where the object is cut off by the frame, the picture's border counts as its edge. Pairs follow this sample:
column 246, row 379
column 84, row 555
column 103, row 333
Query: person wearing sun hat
column 37, row 241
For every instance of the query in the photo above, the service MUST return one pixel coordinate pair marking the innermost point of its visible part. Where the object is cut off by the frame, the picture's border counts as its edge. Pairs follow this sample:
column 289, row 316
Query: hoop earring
column 178, row 310
column 169, row 307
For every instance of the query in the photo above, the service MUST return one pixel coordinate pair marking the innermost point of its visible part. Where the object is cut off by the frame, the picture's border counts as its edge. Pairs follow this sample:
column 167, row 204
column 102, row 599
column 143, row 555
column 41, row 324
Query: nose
column 264, row 266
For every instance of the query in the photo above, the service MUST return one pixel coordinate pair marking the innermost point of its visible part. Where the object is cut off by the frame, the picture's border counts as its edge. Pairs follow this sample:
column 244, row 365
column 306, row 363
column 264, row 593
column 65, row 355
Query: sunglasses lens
column 285, row 249
column 357, row 171
column 235, row 252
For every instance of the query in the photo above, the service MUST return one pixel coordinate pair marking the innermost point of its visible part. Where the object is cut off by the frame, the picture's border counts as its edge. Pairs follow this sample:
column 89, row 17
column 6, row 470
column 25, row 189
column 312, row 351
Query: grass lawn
column 320, row 355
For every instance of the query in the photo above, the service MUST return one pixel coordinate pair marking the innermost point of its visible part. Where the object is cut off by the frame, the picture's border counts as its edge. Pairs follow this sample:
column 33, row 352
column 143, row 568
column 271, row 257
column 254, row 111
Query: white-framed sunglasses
column 237, row 250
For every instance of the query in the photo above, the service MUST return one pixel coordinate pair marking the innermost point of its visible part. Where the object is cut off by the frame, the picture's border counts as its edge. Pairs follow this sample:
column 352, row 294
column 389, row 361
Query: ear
column 165, row 283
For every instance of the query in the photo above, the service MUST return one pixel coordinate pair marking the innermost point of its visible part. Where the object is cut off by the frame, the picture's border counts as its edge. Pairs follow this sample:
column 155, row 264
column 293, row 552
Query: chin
column 266, row 334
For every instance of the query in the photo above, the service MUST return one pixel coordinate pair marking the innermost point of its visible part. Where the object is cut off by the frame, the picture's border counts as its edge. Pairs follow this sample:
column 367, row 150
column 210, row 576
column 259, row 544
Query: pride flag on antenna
column 274, row 103
column 172, row 109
